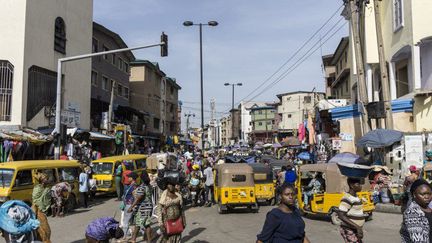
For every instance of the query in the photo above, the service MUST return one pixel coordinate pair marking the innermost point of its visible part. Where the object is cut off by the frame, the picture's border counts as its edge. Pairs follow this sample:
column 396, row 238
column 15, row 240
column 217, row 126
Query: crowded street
column 215, row 121
column 206, row 225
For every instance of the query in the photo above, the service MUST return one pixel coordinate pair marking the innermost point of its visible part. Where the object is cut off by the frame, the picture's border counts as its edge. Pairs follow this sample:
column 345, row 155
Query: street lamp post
column 232, row 109
column 187, row 121
column 210, row 23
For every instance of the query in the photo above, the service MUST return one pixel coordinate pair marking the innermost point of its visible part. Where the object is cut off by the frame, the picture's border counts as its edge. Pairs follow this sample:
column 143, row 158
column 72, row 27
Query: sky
column 254, row 39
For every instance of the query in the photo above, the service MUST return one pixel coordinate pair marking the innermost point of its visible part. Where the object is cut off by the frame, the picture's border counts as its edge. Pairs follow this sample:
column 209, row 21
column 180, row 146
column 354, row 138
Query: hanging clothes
column 301, row 132
column 311, row 130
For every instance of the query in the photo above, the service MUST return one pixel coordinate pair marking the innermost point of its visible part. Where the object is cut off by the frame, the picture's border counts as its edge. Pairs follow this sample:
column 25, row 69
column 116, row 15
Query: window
column 398, row 18
column 106, row 55
column 60, row 36
column 129, row 164
column 113, row 59
column 307, row 99
column 172, row 90
column 346, row 87
column 126, row 67
column 259, row 123
column 6, row 83
column 126, row 92
column 95, row 44
column 105, row 83
column 119, row 90
column 23, row 178
column 238, row 178
column 269, row 122
column 41, row 90
column 289, row 115
column 140, row 163
column 6, row 177
column 120, row 64
column 156, row 122
column 51, row 175
column 68, row 174
column 94, row 78
column 260, row 112
column 102, row 168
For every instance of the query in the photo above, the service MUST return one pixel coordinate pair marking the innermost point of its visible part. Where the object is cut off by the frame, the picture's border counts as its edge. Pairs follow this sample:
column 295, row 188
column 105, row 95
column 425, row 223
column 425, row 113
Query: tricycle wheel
column 335, row 218
column 369, row 217
column 220, row 209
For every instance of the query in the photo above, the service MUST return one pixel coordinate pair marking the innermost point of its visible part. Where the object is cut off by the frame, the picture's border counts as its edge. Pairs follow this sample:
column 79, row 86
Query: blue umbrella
column 380, row 138
column 348, row 158
column 304, row 156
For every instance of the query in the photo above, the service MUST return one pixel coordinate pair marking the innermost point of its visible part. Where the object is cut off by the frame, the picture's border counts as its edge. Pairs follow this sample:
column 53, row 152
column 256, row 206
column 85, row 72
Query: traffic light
column 164, row 46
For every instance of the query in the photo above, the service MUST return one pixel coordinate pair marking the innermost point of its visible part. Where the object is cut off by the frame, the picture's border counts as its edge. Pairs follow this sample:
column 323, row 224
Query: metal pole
column 233, row 85
column 359, row 64
column 110, row 108
column 59, row 82
column 58, row 108
column 202, row 88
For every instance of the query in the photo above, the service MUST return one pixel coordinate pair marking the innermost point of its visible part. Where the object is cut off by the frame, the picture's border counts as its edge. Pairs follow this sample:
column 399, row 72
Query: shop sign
column 413, row 151
column 336, row 144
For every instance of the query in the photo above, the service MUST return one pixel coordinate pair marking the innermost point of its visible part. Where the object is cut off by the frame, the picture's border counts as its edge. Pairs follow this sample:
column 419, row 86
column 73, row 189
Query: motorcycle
column 196, row 192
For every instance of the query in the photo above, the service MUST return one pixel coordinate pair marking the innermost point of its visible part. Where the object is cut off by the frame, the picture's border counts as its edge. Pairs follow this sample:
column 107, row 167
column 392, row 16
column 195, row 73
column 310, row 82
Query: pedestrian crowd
column 159, row 198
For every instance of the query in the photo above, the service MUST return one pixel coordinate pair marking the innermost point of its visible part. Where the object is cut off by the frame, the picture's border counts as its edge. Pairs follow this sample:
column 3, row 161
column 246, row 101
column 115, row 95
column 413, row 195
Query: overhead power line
column 295, row 53
column 298, row 62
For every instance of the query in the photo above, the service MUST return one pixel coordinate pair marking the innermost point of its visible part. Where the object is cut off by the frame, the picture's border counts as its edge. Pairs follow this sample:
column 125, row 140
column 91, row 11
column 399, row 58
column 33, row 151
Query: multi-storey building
column 293, row 108
column 109, row 73
column 263, row 122
column 34, row 35
column 156, row 96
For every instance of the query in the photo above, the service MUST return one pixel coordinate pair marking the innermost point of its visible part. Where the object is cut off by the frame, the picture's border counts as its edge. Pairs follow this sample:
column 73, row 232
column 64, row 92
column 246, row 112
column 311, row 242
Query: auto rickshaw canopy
column 335, row 182
column 234, row 175
column 262, row 173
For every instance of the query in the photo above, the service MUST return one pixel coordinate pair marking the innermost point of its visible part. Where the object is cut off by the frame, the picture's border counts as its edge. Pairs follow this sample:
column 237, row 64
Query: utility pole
column 383, row 68
column 187, row 121
column 110, row 108
column 361, row 84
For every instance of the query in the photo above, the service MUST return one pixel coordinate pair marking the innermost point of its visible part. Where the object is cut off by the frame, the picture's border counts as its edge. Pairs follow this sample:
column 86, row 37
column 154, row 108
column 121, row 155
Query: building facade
column 35, row 34
column 342, row 87
column 171, row 103
column 109, row 73
column 263, row 123
column 246, row 118
column 293, row 108
column 156, row 96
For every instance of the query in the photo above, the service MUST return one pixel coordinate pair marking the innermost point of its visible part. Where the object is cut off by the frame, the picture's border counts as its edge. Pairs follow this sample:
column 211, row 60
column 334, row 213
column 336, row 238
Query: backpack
column 290, row 177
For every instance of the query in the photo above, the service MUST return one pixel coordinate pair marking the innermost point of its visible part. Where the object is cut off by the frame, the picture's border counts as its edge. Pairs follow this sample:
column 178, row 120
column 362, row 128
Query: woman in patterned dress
column 417, row 218
column 170, row 208
column 41, row 199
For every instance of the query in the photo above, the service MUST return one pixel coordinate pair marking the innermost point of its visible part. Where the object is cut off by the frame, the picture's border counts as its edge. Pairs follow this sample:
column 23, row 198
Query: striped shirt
column 353, row 208
column 145, row 205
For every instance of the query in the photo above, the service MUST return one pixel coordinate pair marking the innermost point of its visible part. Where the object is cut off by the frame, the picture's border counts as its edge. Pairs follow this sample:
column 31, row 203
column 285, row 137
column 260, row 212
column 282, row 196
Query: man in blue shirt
column 84, row 186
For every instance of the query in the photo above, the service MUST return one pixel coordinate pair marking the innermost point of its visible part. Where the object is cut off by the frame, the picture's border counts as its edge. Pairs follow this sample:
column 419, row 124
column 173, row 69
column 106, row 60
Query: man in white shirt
column 208, row 174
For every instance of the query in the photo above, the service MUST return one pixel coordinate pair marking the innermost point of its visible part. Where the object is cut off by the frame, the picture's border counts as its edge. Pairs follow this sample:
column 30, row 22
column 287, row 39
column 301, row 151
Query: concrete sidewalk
column 387, row 208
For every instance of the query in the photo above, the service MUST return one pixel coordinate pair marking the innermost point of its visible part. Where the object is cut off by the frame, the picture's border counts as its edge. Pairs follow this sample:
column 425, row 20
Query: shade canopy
column 380, row 138
column 347, row 157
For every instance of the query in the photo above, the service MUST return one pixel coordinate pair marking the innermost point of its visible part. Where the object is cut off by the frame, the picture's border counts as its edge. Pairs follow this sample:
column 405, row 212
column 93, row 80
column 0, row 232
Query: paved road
column 206, row 225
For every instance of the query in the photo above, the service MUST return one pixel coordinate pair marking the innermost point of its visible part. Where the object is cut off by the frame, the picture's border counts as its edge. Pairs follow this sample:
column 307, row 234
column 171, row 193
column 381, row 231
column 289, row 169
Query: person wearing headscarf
column 41, row 202
column 60, row 193
column 170, row 207
column 102, row 230
column 417, row 218
column 18, row 222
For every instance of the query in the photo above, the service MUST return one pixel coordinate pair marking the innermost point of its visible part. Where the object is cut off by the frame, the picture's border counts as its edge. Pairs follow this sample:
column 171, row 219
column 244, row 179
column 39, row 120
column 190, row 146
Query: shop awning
column 100, row 136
